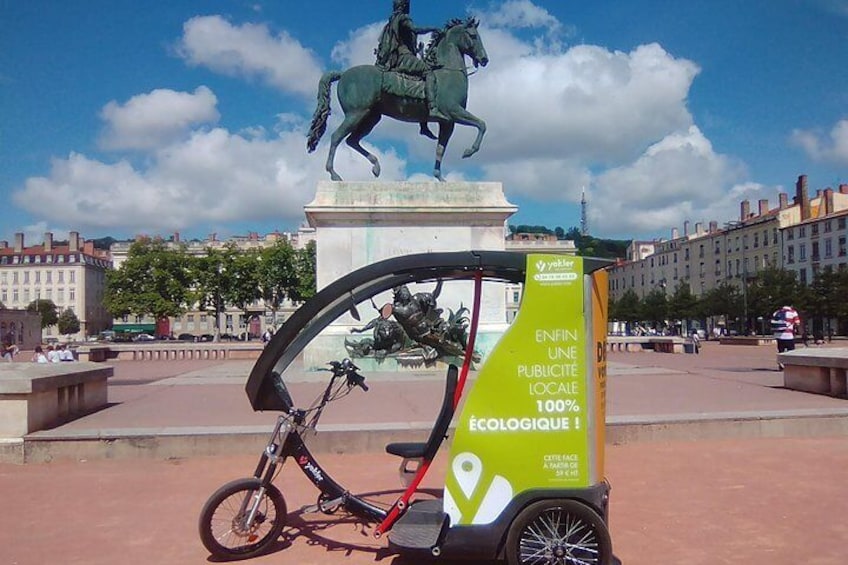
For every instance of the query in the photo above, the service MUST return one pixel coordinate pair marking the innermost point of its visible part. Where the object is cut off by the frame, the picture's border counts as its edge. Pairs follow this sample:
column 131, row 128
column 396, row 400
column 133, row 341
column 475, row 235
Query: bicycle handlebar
column 346, row 368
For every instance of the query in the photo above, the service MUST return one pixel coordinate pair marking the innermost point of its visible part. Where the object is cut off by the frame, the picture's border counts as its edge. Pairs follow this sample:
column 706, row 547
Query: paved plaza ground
column 752, row 501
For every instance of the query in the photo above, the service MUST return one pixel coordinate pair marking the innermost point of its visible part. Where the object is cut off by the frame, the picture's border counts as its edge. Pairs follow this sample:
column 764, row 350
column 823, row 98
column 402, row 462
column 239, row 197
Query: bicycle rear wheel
column 224, row 527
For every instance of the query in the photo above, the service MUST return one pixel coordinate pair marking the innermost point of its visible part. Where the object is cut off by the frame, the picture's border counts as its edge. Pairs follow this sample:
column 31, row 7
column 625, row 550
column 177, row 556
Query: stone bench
column 747, row 340
column 38, row 396
column 818, row 370
column 660, row 344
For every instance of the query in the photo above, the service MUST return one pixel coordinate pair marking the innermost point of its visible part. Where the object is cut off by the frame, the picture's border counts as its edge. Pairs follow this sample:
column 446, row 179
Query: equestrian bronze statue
column 403, row 87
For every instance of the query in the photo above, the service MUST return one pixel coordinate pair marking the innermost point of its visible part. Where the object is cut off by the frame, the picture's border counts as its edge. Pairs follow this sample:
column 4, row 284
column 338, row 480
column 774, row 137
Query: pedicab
column 525, row 479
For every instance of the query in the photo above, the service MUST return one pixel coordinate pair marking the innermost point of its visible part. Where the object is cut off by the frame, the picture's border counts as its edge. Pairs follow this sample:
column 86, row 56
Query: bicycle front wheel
column 226, row 527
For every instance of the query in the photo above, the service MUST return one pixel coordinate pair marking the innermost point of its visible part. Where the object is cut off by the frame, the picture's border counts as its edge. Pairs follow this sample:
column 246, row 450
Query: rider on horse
column 397, row 52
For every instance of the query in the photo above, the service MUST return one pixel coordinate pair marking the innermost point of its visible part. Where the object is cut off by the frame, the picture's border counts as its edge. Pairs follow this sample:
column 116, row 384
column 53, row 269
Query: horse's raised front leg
column 462, row 116
column 445, row 133
column 364, row 129
column 350, row 124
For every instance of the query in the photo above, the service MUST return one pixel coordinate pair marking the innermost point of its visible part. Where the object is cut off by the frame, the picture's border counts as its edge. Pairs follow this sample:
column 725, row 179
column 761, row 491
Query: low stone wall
column 822, row 371
column 169, row 351
column 747, row 340
column 660, row 344
column 38, row 396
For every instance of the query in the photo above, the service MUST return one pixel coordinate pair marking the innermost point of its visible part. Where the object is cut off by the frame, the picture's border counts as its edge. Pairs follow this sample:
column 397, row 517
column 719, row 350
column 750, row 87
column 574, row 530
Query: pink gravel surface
column 747, row 502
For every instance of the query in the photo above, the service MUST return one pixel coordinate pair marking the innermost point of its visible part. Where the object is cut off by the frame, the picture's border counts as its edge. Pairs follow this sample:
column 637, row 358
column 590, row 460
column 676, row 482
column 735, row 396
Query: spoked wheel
column 558, row 532
column 226, row 527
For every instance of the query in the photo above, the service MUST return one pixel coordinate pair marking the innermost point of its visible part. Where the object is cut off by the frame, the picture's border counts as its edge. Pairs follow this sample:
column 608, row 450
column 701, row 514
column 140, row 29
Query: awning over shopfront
column 134, row 328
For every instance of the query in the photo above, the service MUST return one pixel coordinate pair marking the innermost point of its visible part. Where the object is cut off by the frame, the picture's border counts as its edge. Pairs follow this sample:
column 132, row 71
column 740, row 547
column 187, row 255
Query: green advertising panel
column 526, row 423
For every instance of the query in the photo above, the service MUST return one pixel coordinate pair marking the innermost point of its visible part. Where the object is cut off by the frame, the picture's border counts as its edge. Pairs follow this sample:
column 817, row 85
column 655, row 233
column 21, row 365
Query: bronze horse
column 364, row 99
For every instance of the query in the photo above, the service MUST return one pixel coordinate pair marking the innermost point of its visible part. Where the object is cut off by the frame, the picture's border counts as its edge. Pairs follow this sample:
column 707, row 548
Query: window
column 26, row 277
column 790, row 254
column 756, row 240
column 802, row 276
column 815, row 254
column 790, row 234
column 686, row 254
column 814, row 230
column 701, row 251
column 774, row 236
column 802, row 252
column 828, row 226
column 72, row 275
column 802, row 231
column 49, row 277
column 72, row 294
column 15, row 277
column 38, row 277
column 61, row 277
column 745, row 241
column 828, row 248
column 842, row 246
column 840, row 223
column 15, row 295
column 718, row 267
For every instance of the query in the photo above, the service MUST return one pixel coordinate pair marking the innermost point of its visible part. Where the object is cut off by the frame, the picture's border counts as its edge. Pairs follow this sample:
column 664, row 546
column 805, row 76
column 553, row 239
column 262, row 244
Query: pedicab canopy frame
column 532, row 427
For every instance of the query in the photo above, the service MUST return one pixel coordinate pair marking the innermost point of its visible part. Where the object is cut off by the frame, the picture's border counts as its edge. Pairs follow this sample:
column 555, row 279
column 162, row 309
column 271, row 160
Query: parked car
column 144, row 337
column 187, row 337
column 206, row 337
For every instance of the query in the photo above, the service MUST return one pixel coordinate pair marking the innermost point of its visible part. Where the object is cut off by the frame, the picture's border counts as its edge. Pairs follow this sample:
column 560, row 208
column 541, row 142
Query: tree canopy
column 48, row 311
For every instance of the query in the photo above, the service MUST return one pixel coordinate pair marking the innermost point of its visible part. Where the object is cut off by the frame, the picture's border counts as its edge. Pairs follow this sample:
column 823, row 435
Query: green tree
column 211, row 275
column 242, row 285
column 725, row 300
column 305, row 269
column 278, row 277
column 48, row 310
column 628, row 308
column 655, row 307
column 154, row 280
column 683, row 304
column 68, row 322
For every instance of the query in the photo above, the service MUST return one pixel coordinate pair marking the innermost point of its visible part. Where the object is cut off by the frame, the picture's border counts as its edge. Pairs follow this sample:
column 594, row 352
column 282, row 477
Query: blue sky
column 120, row 118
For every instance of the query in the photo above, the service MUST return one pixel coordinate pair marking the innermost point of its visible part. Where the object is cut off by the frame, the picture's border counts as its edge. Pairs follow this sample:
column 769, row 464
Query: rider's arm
column 406, row 21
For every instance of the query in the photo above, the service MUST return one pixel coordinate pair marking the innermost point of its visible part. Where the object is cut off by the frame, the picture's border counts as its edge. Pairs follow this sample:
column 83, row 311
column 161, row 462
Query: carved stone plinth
column 360, row 223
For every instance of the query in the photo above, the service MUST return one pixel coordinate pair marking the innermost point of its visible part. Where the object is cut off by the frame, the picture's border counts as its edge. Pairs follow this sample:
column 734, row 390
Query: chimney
column 764, row 207
column 19, row 242
column 802, row 198
column 828, row 202
column 48, row 242
column 675, row 234
column 699, row 228
column 784, row 200
column 4, row 244
column 88, row 247
column 713, row 226
column 686, row 228
column 73, row 242
column 744, row 210
column 843, row 189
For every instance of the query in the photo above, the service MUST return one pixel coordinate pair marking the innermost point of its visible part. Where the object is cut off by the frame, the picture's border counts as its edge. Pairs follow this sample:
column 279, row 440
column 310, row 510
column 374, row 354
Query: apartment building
column 232, row 321
column 819, row 241
column 737, row 251
column 71, row 274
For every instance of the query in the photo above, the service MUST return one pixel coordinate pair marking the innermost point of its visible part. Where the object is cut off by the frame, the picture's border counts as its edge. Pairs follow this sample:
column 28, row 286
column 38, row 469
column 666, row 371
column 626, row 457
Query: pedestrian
column 65, row 354
column 696, row 342
column 38, row 356
column 53, row 354
column 784, row 324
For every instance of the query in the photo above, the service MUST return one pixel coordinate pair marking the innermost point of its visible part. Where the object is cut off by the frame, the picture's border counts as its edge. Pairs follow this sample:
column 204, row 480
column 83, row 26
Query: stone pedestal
column 360, row 223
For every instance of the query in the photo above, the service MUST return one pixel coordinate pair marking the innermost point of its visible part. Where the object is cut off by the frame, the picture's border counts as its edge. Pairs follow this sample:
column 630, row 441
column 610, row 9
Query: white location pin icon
column 467, row 469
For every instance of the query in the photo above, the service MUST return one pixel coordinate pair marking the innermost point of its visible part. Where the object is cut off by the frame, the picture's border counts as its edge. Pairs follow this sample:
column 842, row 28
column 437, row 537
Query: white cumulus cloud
column 831, row 147
column 250, row 50
column 147, row 121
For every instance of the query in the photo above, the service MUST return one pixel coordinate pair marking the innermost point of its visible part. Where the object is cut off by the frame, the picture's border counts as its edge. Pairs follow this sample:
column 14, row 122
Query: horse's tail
column 322, row 112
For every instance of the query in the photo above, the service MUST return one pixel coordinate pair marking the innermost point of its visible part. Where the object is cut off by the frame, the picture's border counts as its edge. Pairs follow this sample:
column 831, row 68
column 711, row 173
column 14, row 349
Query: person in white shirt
column 38, row 356
column 784, row 324
column 65, row 354
column 52, row 354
